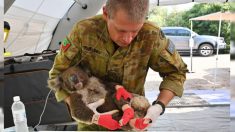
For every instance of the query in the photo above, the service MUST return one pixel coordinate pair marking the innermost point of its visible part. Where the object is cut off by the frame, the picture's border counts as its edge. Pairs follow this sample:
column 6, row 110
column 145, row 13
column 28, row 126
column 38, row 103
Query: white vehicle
column 205, row 45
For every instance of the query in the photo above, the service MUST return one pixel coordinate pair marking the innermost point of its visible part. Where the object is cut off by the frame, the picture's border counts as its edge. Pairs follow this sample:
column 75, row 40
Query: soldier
column 121, row 46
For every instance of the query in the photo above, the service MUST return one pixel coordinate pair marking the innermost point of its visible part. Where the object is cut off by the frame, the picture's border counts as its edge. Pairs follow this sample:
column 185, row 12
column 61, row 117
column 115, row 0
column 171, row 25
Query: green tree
column 181, row 18
column 175, row 18
column 209, row 27
column 157, row 15
column 232, row 9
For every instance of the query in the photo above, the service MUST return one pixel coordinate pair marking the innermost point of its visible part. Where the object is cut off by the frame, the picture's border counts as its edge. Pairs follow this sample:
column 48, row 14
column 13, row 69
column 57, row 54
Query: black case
column 29, row 81
column 1, row 85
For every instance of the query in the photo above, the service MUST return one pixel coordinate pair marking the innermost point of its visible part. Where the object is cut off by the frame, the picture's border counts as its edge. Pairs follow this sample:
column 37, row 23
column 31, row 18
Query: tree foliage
column 157, row 15
column 181, row 18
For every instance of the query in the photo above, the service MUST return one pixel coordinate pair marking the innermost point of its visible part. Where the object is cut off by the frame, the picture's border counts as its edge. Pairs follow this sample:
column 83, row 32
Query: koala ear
column 88, row 72
column 77, row 64
column 85, row 68
column 55, row 84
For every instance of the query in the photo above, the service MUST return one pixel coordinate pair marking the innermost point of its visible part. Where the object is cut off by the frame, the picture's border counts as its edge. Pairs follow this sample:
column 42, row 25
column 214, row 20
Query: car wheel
column 205, row 50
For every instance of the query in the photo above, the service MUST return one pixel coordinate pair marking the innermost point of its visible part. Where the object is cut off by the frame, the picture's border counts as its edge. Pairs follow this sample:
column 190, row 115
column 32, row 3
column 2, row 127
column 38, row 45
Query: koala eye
column 73, row 78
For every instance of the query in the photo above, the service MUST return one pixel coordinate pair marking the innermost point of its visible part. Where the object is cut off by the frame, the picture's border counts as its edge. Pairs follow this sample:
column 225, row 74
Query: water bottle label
column 19, row 116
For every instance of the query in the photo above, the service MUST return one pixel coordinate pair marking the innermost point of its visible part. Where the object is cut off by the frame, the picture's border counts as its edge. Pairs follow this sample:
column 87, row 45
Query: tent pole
column 191, row 43
column 217, row 52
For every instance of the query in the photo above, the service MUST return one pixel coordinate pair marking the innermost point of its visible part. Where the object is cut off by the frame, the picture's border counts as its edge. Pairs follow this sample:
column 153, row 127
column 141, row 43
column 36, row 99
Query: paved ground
column 204, row 69
column 232, row 80
column 202, row 78
column 193, row 119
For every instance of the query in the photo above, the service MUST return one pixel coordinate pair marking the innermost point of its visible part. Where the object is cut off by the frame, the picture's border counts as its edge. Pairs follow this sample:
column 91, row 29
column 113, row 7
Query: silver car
column 205, row 45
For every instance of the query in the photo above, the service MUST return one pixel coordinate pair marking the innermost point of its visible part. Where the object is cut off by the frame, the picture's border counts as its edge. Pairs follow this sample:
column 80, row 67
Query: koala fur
column 85, row 89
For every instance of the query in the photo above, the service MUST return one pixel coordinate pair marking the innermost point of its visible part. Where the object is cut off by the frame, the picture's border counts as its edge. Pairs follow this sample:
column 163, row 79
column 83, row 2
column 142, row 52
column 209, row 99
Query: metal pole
column 191, row 43
column 217, row 53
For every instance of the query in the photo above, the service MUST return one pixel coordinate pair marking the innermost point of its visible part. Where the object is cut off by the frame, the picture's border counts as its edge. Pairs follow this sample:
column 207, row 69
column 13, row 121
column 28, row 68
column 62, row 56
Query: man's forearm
column 165, row 96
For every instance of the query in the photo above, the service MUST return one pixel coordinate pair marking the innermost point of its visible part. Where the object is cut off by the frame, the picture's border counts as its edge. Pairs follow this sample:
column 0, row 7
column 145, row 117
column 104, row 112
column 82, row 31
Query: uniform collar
column 104, row 35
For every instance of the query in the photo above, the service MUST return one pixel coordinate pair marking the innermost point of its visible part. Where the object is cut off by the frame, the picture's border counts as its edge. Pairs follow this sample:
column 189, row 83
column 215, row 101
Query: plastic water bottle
column 1, row 120
column 19, row 115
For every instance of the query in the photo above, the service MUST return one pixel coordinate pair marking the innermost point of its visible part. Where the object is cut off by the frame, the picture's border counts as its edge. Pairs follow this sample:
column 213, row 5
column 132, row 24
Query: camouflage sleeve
column 68, row 55
column 167, row 61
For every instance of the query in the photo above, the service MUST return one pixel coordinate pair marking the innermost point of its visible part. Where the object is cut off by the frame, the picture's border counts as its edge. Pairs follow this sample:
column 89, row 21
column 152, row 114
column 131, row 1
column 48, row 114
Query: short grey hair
column 136, row 10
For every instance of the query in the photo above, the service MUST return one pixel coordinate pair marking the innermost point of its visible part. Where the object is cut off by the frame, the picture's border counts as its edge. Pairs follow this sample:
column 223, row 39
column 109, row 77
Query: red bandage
column 107, row 122
column 139, row 123
column 127, row 115
column 121, row 92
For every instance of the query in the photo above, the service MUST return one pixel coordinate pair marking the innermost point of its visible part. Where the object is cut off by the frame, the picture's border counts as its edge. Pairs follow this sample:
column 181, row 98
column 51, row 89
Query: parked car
column 205, row 45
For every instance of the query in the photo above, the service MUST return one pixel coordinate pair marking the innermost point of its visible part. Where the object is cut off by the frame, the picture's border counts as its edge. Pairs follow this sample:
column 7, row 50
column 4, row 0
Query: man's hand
column 153, row 113
column 121, row 92
column 106, row 121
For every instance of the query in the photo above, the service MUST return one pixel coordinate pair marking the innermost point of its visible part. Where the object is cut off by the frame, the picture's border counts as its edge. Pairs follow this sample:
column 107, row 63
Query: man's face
column 121, row 30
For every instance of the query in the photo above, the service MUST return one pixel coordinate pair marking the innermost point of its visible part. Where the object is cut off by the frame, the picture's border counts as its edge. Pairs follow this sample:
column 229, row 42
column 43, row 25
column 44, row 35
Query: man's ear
column 105, row 14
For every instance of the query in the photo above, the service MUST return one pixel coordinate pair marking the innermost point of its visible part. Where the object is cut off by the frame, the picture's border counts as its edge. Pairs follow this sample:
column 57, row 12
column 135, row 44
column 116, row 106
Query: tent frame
column 226, row 16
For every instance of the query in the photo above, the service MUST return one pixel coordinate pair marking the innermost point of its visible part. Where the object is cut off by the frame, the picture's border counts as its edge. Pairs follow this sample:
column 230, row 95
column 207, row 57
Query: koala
column 85, row 89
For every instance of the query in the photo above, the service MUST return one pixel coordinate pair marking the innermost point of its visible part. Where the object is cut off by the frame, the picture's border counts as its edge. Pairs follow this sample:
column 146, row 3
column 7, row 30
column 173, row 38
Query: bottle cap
column 16, row 98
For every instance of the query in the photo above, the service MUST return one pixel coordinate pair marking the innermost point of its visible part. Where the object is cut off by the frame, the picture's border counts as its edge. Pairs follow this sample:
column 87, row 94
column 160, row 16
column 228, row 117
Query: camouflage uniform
column 89, row 44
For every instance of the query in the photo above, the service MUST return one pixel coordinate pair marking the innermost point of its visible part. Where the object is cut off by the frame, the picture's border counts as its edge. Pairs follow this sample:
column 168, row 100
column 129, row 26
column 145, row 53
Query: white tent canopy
column 32, row 23
column 217, row 16
column 35, row 24
column 175, row 2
